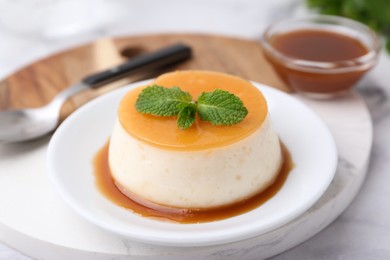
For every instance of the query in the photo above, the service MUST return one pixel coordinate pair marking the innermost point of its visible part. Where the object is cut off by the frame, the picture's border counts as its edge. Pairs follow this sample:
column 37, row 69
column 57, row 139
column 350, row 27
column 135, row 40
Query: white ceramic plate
column 77, row 140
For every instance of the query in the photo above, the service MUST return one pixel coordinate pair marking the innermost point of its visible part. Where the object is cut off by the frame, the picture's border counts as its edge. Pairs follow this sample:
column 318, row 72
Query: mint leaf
column 160, row 101
column 221, row 108
column 186, row 117
column 218, row 107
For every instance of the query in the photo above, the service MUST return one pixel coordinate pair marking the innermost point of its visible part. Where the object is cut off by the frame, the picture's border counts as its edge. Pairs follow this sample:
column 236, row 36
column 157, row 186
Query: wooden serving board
column 36, row 84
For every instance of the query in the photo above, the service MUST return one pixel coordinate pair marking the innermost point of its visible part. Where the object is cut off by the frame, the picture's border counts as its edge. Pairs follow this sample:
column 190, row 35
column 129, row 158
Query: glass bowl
column 317, row 78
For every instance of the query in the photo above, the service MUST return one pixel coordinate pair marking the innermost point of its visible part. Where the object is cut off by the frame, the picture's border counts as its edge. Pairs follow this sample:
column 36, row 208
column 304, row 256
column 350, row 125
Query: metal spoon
column 27, row 124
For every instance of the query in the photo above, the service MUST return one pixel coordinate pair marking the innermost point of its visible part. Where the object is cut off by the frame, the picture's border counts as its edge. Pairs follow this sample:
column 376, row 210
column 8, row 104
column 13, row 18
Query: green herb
column 374, row 13
column 218, row 107
column 162, row 101
column 221, row 108
column 186, row 117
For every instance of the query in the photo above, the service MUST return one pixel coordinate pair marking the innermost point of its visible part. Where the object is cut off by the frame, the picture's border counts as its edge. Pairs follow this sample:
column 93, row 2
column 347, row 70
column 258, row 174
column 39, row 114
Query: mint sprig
column 218, row 107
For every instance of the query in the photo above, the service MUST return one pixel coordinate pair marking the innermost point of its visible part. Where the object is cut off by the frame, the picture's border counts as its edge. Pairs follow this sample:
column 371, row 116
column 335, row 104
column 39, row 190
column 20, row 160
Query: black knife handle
column 160, row 58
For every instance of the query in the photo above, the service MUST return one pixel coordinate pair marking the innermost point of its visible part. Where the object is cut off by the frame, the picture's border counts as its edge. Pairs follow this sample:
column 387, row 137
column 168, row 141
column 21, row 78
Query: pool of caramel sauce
column 107, row 187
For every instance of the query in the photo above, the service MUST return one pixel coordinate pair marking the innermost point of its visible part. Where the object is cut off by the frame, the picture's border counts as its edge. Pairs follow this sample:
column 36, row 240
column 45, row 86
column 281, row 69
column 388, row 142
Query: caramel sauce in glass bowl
column 321, row 56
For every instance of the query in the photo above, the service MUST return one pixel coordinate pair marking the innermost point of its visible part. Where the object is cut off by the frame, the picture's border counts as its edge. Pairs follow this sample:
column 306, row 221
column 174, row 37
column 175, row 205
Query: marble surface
column 361, row 232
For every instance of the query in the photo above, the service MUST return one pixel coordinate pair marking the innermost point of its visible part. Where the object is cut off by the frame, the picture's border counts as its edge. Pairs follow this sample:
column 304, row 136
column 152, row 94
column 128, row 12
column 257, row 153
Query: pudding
column 154, row 162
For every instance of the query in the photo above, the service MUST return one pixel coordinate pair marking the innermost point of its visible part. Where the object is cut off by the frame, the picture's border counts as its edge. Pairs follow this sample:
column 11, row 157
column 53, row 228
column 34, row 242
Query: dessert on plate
column 205, row 166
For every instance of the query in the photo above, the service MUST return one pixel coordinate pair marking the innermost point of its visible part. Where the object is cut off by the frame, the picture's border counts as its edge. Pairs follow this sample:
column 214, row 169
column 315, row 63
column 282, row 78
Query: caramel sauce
column 317, row 46
column 163, row 132
column 107, row 187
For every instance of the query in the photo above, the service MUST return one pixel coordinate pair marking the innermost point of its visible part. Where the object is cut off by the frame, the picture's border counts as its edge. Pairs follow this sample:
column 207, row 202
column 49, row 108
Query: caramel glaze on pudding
column 163, row 132
column 204, row 167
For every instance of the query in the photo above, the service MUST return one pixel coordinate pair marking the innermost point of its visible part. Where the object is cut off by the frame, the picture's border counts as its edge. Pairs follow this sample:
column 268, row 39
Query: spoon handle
column 157, row 59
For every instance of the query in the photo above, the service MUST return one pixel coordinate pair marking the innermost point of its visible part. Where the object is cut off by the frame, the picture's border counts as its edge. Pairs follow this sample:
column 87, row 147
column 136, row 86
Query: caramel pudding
column 204, row 167
column 108, row 188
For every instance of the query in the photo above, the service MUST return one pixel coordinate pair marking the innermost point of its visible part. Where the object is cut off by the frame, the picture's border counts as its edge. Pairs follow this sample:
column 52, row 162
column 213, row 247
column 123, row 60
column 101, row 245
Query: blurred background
column 30, row 29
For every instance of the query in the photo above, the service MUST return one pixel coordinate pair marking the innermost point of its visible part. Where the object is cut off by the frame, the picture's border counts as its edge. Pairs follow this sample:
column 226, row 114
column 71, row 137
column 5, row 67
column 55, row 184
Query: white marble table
column 361, row 232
